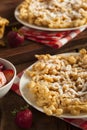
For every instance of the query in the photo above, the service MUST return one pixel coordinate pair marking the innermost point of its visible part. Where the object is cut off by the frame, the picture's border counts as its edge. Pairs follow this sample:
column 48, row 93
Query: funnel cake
column 3, row 22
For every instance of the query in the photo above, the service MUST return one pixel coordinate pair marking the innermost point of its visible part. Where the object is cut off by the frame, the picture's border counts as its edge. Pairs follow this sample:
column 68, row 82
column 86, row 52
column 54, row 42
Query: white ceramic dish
column 28, row 97
column 16, row 13
column 4, row 89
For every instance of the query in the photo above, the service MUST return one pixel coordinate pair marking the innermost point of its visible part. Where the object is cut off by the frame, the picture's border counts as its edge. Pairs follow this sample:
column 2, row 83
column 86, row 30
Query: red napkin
column 50, row 38
column 81, row 123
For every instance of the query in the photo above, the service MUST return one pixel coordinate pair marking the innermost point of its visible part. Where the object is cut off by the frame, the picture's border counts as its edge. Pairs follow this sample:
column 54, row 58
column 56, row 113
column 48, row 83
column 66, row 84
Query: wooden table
column 22, row 57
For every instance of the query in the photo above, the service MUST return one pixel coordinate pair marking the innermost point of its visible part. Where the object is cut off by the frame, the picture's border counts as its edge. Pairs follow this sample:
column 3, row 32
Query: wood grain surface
column 30, row 48
column 7, row 8
column 22, row 57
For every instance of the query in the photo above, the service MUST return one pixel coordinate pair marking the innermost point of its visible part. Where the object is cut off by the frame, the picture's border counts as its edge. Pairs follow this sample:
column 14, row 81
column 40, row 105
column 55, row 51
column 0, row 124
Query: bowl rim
column 13, row 68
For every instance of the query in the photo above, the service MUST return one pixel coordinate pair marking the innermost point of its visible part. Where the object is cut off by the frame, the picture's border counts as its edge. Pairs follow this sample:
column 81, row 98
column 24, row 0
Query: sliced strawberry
column 2, row 79
column 9, row 73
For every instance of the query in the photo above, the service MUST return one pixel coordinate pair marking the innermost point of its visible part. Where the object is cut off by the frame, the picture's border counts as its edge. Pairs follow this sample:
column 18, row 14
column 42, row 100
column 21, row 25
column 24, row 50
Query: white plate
column 16, row 13
column 28, row 96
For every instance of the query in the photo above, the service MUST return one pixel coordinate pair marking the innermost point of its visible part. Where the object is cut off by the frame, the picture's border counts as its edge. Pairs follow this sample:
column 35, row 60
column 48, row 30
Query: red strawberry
column 9, row 73
column 24, row 119
column 2, row 79
column 14, row 38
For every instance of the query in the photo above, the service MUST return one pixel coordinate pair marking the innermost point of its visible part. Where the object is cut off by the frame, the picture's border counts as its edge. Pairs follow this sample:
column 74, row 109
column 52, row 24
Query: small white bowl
column 4, row 89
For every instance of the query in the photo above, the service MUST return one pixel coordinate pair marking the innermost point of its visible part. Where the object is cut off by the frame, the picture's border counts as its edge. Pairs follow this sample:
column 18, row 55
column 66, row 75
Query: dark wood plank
column 7, row 8
column 40, row 120
column 22, row 57
column 31, row 48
